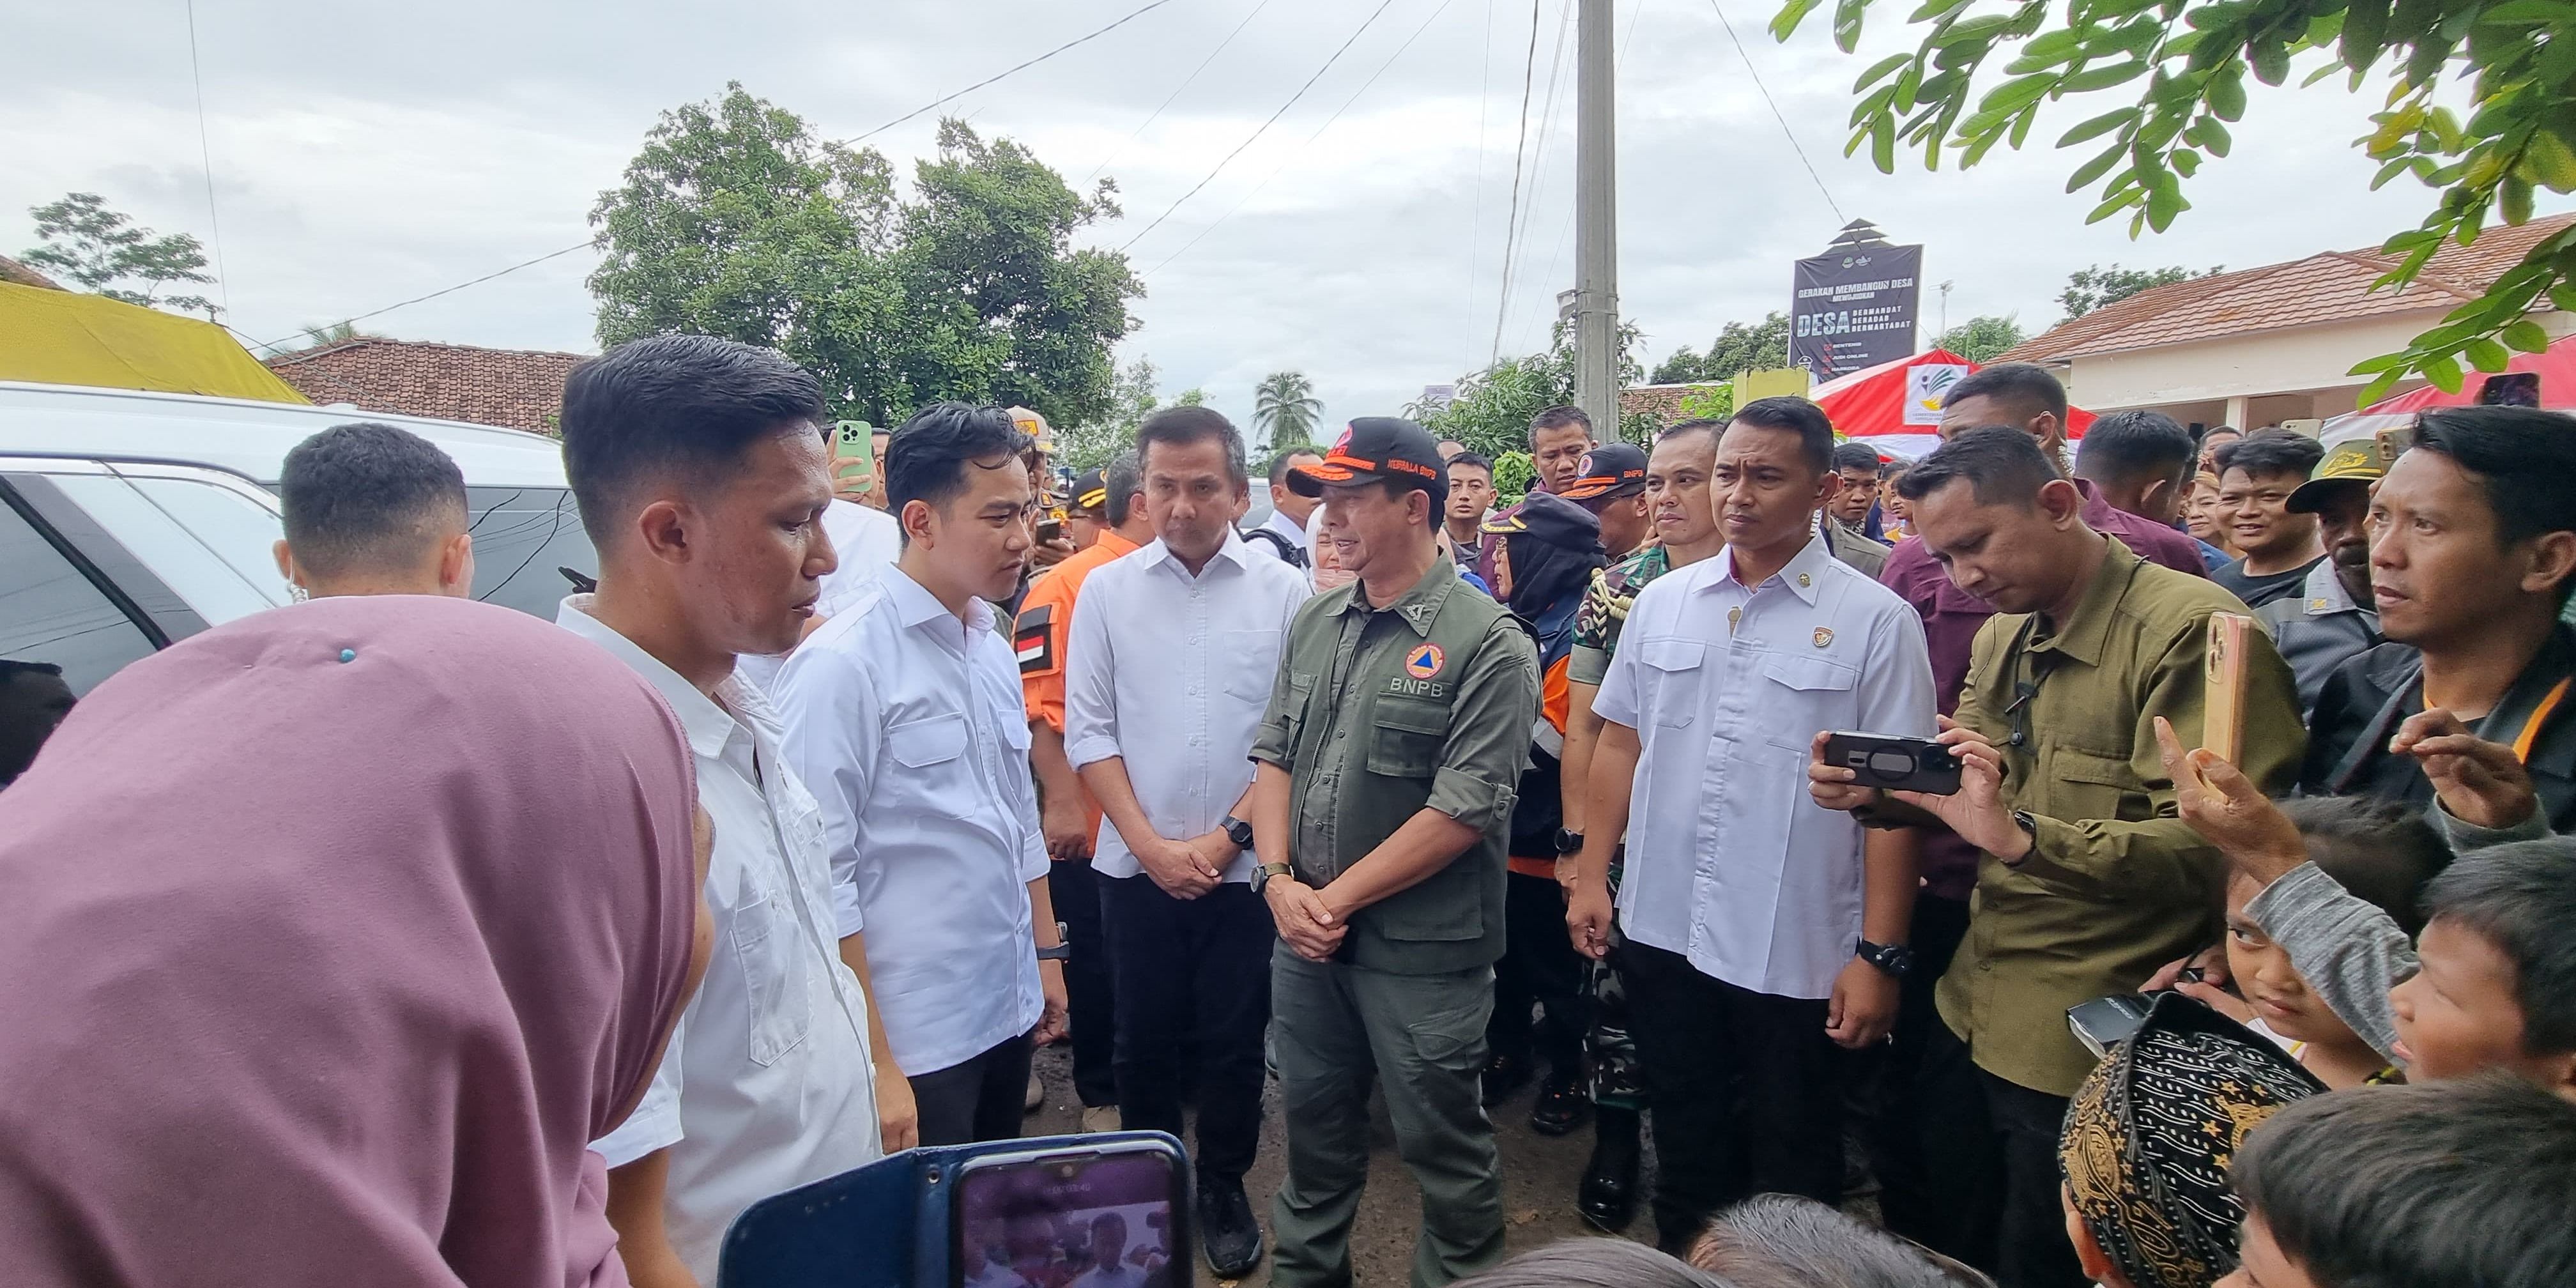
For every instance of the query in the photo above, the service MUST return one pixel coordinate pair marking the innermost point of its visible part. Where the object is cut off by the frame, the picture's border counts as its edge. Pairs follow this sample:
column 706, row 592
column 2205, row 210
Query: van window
column 51, row 613
column 522, row 536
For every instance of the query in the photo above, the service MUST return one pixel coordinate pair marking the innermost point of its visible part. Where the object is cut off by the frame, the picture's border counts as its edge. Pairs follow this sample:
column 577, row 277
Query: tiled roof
column 2329, row 287
column 515, row 388
column 19, row 274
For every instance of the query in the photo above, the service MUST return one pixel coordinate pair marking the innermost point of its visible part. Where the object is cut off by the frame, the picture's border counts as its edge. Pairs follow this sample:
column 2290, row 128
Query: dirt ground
column 1539, row 1179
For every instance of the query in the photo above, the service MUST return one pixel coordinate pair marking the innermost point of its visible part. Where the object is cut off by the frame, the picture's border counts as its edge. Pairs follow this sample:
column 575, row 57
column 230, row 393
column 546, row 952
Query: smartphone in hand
column 1892, row 763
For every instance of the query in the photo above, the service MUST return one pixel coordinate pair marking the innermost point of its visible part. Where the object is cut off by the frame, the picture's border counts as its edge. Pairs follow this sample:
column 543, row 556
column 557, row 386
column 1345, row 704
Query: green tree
column 1190, row 397
column 1980, row 339
column 1131, row 399
column 1493, row 408
column 96, row 248
column 735, row 220
column 2092, row 287
column 1737, row 349
column 1285, row 411
column 2172, row 76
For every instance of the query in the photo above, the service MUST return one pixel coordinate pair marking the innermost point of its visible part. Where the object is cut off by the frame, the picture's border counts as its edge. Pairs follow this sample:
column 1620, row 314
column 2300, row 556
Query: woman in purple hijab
column 328, row 940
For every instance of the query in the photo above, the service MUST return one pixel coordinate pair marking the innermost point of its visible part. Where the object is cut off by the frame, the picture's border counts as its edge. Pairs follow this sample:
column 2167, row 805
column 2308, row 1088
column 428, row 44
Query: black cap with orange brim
column 1611, row 469
column 1373, row 448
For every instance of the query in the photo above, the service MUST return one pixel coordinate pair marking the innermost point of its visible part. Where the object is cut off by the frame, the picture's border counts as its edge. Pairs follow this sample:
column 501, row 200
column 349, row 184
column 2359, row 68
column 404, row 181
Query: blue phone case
column 885, row 1225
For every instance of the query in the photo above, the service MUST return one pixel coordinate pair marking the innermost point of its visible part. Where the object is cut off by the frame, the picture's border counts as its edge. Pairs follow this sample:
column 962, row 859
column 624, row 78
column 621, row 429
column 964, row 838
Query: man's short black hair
column 2020, row 383
column 1855, row 456
column 2458, row 1182
column 2380, row 851
column 1475, row 461
column 2523, row 457
column 1183, row 426
column 1287, row 456
column 2001, row 463
column 367, row 496
column 2140, row 447
column 2522, row 899
column 2272, row 453
column 687, row 406
column 1711, row 426
column 1798, row 416
column 930, row 453
column 1558, row 417
column 1119, row 481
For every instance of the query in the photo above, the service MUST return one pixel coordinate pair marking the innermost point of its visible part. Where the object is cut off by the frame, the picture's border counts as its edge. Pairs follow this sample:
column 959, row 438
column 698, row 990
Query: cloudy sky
column 364, row 153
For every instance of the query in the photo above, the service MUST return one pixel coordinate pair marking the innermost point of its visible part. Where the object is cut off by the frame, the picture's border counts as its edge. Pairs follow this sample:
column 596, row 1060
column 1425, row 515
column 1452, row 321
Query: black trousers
column 1539, row 968
column 1090, row 998
column 2000, row 1157
column 1744, row 1087
column 980, row 1098
column 1913, row 1142
column 1193, row 978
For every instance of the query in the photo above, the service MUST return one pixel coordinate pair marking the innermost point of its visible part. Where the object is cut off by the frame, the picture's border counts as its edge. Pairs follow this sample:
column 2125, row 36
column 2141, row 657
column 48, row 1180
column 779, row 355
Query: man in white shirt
column 1174, row 651
column 1759, row 933
column 1287, row 527
column 866, row 540
column 701, row 472
column 904, row 713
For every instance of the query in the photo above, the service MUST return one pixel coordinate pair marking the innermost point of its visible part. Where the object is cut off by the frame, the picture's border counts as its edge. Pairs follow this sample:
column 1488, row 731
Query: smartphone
column 1050, row 528
column 2106, row 1022
column 2222, row 728
column 854, row 458
column 1040, row 1216
column 2510, row 389
column 1892, row 763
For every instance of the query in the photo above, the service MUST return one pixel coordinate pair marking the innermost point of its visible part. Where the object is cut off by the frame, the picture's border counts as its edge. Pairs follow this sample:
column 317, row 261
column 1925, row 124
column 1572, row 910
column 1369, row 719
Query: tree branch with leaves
column 96, row 248
column 2188, row 61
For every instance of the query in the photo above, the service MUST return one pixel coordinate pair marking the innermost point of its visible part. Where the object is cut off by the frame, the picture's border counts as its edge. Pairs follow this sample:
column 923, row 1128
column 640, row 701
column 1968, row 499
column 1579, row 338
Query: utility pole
column 1596, row 222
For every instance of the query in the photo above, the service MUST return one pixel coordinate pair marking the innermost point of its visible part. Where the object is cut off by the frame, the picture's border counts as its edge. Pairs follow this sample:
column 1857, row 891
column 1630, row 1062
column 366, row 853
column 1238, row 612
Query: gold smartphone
column 2222, row 728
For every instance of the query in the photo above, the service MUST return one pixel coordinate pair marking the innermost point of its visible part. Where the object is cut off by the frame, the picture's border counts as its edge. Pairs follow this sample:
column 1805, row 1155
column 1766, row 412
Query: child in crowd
column 2459, row 1184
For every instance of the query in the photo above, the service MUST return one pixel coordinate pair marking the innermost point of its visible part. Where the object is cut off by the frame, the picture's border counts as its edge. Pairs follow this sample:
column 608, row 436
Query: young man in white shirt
column 1174, row 651
column 865, row 539
column 1285, row 532
column 904, row 713
column 1759, row 933
column 701, row 472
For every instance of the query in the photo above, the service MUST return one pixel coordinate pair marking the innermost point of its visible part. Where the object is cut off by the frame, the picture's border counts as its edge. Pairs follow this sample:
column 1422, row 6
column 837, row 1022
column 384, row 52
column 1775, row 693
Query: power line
column 1476, row 209
column 1186, row 81
column 525, row 263
column 206, row 158
column 1282, row 167
column 1529, row 74
column 1131, row 16
column 1264, row 127
column 1775, row 108
column 1517, row 252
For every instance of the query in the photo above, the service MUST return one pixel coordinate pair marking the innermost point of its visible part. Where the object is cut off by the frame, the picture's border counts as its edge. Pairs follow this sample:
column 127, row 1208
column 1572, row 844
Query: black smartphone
column 1892, row 763
column 1065, row 1215
column 2106, row 1022
column 1050, row 528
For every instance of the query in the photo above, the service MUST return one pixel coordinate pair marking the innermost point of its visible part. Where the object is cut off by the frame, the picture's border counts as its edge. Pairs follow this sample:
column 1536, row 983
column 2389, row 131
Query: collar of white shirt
column 914, row 605
column 706, row 721
column 1810, row 565
column 1234, row 551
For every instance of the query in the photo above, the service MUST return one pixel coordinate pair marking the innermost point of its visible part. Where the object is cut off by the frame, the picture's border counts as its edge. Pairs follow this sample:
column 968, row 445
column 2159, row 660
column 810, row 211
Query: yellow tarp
column 62, row 338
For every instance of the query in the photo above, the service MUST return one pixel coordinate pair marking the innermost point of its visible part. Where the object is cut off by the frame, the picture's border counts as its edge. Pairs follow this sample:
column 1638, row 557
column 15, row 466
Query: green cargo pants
column 1340, row 1027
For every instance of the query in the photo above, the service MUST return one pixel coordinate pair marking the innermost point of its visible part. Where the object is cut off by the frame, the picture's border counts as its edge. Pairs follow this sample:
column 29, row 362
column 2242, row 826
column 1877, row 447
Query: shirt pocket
column 1406, row 737
column 1246, row 664
column 775, row 972
column 930, row 770
column 1806, row 694
column 2090, row 784
column 1673, row 668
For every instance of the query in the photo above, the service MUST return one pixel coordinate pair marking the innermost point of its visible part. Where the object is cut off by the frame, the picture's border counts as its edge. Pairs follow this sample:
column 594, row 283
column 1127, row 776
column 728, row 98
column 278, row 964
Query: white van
column 131, row 520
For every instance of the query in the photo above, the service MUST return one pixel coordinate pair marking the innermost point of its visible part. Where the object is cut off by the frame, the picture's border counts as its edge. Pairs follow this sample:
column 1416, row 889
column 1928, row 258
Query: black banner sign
column 1854, row 308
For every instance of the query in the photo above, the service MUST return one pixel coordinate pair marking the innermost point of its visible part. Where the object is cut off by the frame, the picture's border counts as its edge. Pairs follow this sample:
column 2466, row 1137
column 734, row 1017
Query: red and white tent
column 1896, row 406
column 2556, row 367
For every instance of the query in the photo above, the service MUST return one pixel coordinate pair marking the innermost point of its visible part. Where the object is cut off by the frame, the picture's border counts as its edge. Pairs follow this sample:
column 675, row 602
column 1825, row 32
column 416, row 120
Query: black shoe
column 1608, row 1197
column 1560, row 1106
column 1503, row 1076
column 1231, row 1238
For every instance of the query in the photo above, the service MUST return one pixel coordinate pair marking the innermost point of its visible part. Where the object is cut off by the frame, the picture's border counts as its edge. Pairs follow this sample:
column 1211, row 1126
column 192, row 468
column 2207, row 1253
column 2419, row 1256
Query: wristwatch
column 1063, row 949
column 1895, row 959
column 1261, row 875
column 1237, row 831
column 1568, row 842
column 2030, row 827
column 1871, row 816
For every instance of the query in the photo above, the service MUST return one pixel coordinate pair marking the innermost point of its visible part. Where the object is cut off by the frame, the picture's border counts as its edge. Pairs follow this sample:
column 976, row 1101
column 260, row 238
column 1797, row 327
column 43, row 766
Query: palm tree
column 1285, row 409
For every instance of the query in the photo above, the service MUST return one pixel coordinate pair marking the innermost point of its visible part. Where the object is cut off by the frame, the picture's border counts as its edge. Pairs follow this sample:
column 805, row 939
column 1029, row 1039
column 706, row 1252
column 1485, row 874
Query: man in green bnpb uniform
column 1382, row 799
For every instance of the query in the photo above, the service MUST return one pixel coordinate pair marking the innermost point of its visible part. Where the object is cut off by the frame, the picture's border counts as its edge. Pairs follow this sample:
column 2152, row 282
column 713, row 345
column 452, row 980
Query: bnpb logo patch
column 1424, row 662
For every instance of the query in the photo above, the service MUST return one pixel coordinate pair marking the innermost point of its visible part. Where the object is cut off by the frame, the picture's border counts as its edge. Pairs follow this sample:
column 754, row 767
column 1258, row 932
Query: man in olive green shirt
column 2088, row 881
column 1386, row 770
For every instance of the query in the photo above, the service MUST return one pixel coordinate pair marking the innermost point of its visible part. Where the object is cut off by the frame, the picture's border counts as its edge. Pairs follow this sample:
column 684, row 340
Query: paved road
column 1539, row 1178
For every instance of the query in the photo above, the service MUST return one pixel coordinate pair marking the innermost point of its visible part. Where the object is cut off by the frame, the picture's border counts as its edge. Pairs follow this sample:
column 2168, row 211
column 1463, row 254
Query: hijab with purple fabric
column 330, row 938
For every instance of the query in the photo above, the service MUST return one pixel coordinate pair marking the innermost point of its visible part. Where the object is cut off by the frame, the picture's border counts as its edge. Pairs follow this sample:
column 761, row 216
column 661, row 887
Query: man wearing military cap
column 1386, row 770
column 1086, row 509
column 2333, row 616
column 1611, row 483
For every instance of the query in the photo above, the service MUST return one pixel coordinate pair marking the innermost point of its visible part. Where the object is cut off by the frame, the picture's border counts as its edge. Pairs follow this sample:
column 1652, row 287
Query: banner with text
column 1854, row 309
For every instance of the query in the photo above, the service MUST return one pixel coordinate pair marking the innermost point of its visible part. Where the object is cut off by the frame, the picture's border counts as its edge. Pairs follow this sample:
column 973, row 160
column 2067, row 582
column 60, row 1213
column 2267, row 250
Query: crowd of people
column 396, row 938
